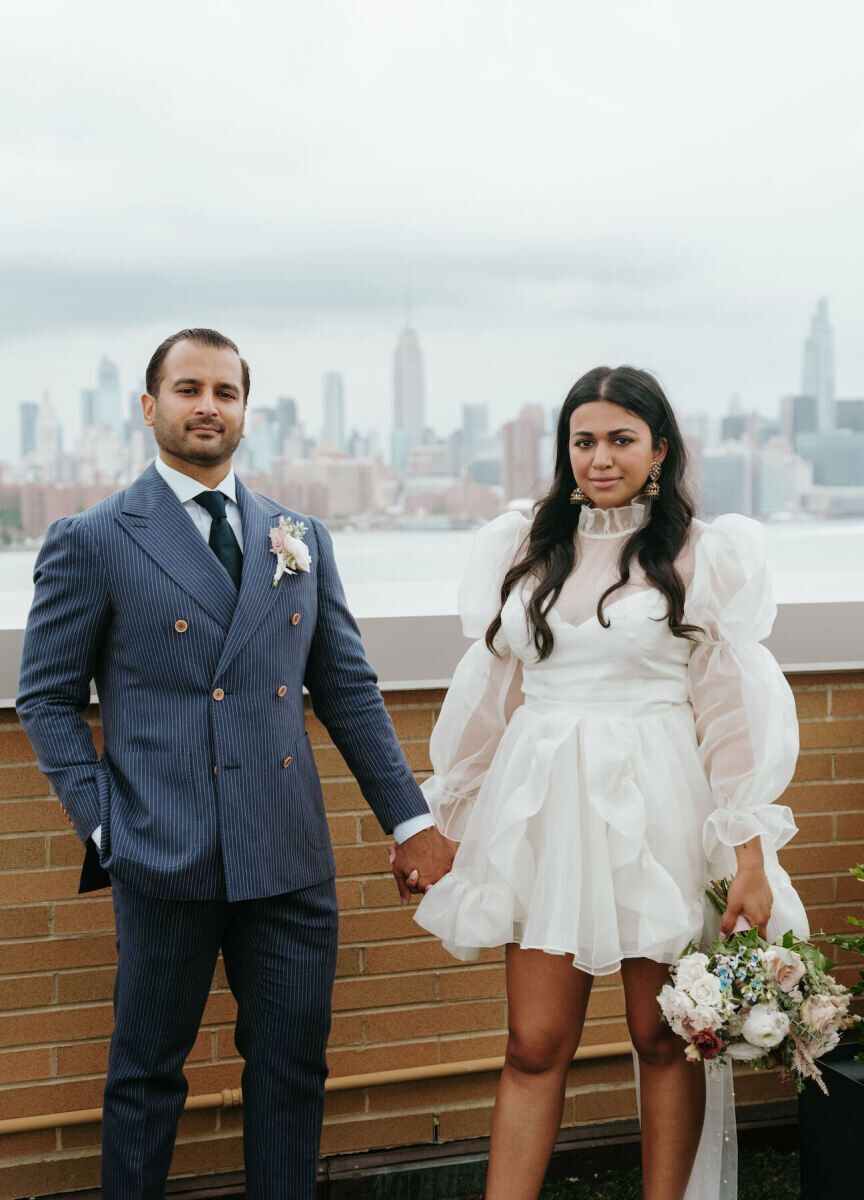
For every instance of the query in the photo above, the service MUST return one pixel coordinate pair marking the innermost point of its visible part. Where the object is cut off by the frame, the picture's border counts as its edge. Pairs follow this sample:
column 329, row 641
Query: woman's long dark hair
column 552, row 545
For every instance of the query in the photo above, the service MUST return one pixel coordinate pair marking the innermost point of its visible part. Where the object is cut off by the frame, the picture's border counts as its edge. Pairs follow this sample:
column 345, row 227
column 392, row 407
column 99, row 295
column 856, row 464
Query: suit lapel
column 257, row 593
column 154, row 517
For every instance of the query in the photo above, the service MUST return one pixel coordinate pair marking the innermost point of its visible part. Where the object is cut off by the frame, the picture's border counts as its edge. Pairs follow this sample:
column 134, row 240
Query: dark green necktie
column 223, row 543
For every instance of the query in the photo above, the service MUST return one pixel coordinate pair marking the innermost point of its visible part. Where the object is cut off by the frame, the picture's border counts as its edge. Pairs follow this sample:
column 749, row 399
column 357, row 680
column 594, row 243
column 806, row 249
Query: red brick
column 60, row 1096
column 17, row 1066
column 474, row 983
column 849, row 765
column 380, row 892
column 56, row 1025
column 378, row 925
column 65, row 850
column 365, row 993
column 22, row 922
column 54, row 954
column 417, row 956
column 15, row 747
column 850, row 827
column 343, row 830
column 387, row 1025
column 812, row 766
column 824, row 797
column 816, row 734
column 17, row 782
column 367, row 1060
column 811, row 704
column 348, row 961
column 19, row 887
column 814, row 829
column 76, row 987
column 31, row 816
column 361, row 860
column 466, row 1049
column 343, row 795
column 348, row 894
column 376, row 1133
column 847, row 703
column 17, row 853
column 84, row 915
column 814, row 860
column 817, row 889
column 26, row 991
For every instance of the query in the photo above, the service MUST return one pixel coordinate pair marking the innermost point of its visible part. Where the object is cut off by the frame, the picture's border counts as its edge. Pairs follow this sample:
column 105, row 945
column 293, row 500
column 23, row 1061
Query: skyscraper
column 103, row 405
column 817, row 378
column 409, row 396
column 333, row 411
column 28, row 415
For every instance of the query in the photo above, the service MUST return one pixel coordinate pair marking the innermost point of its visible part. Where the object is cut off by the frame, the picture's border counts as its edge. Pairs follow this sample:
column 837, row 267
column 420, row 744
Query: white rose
column 705, row 990
column 765, row 1026
column 824, row 1014
column 784, row 967
column 704, row 1017
column 299, row 550
column 690, row 969
column 743, row 1051
column 676, row 1007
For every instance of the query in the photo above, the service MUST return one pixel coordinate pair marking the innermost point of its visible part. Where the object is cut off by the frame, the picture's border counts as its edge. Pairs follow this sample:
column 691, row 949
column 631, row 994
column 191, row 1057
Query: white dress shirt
column 185, row 488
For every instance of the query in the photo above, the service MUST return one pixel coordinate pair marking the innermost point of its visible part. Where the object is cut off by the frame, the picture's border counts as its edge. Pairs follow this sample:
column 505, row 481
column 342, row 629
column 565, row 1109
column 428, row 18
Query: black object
column 830, row 1127
column 223, row 543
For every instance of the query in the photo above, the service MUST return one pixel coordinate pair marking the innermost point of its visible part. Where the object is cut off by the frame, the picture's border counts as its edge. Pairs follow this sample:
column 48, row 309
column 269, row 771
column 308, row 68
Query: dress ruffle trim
column 494, row 908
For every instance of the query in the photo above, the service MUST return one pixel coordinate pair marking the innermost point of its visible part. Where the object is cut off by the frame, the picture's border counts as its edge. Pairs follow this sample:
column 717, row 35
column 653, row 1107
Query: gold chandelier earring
column 577, row 496
column 653, row 488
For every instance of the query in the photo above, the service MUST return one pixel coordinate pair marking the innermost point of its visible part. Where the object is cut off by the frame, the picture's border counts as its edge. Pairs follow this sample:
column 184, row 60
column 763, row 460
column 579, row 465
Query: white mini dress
column 594, row 794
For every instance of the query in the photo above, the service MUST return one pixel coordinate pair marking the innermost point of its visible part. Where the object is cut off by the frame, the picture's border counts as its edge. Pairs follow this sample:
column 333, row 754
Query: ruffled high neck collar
column 612, row 522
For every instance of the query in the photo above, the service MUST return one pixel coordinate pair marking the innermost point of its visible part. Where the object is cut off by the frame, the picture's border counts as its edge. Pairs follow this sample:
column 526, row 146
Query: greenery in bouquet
column 854, row 942
column 749, row 1000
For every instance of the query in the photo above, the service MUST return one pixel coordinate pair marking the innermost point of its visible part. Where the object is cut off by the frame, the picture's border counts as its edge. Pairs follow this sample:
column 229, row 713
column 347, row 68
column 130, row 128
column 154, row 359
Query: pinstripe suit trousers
column 280, row 957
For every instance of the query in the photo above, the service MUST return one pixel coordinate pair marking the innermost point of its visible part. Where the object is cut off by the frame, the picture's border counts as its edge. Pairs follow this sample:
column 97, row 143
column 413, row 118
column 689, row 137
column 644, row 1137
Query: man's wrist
column 407, row 829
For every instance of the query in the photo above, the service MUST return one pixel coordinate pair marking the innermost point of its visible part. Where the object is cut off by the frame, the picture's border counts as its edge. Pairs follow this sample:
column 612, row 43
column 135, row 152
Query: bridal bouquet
column 757, row 1002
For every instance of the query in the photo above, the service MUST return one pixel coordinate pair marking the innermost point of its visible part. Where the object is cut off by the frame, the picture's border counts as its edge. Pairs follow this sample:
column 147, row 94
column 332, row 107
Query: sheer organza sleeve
column 746, row 724
column 486, row 688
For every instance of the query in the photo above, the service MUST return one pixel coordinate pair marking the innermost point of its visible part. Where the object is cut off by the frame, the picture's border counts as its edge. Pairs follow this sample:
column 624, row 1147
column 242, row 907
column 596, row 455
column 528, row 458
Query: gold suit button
column 181, row 626
column 218, row 694
column 280, row 691
column 295, row 620
column 286, row 762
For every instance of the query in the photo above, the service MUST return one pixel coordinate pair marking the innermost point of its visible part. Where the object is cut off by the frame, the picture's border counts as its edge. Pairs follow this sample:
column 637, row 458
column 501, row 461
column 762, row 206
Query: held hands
column 421, row 861
column 749, row 902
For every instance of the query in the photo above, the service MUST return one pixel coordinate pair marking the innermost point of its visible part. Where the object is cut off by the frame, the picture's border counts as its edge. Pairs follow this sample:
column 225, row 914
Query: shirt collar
column 185, row 488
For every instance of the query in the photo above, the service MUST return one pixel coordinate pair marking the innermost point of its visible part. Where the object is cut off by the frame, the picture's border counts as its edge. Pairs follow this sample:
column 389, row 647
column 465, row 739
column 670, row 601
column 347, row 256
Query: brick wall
column 400, row 1000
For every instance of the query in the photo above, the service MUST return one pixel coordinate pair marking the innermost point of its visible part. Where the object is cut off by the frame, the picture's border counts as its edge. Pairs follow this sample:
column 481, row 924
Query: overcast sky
column 560, row 183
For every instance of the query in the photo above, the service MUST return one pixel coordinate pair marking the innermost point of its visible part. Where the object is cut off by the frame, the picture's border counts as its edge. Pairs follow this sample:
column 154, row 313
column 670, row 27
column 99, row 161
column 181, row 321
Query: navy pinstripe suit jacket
column 200, row 796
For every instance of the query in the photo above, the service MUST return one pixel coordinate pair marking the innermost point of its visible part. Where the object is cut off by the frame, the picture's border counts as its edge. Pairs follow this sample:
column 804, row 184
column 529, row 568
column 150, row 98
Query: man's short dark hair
column 203, row 337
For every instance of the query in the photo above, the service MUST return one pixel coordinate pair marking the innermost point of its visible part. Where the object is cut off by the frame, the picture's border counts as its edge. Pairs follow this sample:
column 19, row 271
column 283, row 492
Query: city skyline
column 547, row 218
column 807, row 459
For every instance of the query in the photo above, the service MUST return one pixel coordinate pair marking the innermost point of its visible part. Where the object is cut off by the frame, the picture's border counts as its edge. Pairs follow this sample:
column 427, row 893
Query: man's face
column 198, row 414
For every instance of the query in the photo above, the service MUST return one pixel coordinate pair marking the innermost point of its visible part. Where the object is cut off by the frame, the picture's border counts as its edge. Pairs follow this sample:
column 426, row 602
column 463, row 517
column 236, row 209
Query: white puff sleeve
column 746, row 724
column 485, row 690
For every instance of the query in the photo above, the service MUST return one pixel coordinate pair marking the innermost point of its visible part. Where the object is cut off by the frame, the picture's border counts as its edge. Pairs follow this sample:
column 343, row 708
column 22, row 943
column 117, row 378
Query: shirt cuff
column 406, row 829
column 96, row 835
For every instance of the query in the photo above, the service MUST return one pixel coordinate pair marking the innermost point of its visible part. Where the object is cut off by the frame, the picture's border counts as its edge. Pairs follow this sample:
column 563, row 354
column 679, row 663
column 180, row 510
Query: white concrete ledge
column 413, row 636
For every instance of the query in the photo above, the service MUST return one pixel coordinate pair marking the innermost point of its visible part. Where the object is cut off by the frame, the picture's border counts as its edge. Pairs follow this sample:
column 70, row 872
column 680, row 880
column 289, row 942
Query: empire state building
column 409, row 396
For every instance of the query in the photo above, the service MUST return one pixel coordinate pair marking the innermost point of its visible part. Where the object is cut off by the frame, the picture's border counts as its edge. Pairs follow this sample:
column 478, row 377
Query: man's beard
column 204, row 454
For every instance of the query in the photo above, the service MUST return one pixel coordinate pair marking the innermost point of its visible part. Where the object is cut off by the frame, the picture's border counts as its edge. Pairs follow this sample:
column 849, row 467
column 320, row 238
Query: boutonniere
column 292, row 553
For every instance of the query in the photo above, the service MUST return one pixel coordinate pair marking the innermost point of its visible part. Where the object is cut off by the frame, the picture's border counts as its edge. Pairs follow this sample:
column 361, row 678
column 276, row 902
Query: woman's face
column 611, row 453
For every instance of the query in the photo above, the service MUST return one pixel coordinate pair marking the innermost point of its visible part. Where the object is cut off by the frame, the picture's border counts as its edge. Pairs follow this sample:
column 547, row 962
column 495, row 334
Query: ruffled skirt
column 586, row 838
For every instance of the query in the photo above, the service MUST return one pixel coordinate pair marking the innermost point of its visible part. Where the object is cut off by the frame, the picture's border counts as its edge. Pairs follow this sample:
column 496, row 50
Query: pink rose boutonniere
column 292, row 553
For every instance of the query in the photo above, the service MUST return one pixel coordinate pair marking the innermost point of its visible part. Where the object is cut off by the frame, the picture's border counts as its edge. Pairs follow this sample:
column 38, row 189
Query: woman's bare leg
column 672, row 1089
column 547, row 998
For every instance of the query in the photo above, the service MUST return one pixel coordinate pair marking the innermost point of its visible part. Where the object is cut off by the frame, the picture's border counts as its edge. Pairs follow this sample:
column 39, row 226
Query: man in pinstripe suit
column 205, row 810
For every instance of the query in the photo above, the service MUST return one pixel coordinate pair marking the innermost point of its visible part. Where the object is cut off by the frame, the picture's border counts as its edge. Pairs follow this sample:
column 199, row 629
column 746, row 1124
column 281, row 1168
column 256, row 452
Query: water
column 439, row 556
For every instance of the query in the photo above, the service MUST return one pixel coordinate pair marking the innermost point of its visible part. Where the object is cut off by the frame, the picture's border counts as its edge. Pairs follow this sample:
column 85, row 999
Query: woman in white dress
column 613, row 740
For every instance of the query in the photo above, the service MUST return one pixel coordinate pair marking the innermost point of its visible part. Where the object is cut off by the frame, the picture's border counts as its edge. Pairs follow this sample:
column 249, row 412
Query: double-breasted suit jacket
column 207, row 785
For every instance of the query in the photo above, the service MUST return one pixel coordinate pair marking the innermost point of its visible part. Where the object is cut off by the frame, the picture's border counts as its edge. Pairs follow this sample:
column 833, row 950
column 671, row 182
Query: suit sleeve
column 346, row 697
column 66, row 627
